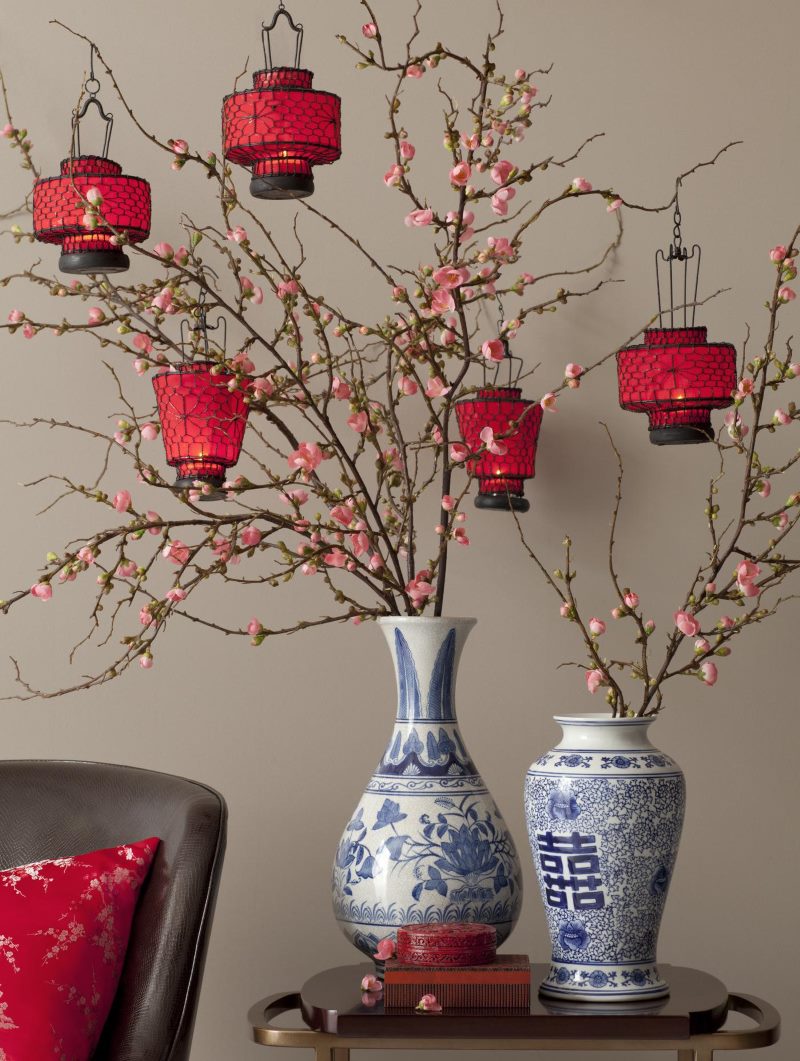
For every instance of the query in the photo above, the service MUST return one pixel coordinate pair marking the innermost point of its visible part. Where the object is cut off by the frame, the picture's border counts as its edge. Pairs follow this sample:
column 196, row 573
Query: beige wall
column 290, row 733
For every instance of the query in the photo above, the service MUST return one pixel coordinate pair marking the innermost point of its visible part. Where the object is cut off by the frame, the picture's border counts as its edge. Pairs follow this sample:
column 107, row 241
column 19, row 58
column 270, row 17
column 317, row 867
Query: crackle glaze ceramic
column 427, row 842
column 604, row 811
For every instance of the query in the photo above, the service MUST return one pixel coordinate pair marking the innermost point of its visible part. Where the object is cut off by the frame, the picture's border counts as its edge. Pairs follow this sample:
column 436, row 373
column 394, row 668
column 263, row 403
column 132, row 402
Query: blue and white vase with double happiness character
column 427, row 841
column 604, row 811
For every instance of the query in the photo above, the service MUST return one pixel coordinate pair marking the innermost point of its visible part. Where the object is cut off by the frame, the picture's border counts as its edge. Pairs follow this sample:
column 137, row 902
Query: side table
column 688, row 1023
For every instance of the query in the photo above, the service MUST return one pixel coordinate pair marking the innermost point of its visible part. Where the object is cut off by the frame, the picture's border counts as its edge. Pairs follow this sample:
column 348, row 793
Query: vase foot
column 603, row 982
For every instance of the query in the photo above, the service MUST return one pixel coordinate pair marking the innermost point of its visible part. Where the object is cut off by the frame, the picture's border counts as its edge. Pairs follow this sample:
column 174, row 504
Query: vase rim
column 384, row 620
column 599, row 718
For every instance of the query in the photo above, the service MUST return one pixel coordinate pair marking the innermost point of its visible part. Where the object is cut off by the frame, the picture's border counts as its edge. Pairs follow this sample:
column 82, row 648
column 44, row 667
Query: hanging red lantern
column 91, row 204
column 202, row 420
column 282, row 126
column 501, row 474
column 676, row 376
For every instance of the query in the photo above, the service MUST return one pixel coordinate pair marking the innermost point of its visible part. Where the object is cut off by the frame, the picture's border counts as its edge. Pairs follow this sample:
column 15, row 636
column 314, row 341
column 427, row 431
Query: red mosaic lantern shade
column 677, row 377
column 58, row 211
column 202, row 422
column 501, row 478
column 282, row 127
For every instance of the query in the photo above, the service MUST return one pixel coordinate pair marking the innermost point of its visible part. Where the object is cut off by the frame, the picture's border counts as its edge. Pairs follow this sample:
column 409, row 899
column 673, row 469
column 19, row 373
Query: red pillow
column 64, row 927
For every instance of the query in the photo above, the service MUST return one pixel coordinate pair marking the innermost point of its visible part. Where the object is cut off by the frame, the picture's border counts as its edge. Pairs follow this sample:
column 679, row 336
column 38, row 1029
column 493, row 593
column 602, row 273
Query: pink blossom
column 744, row 387
column 359, row 543
column 28, row 331
column 786, row 294
column 122, row 501
column 458, row 452
column 488, row 439
column 548, row 401
column 594, row 679
column 460, row 174
column 163, row 300
column 407, row 385
column 177, row 552
column 437, row 436
column 501, row 171
column 370, row 30
column 407, row 150
column 143, row 342
column 335, row 558
column 709, row 672
column 429, row 1004
column 649, row 626
column 442, row 301
column 565, row 611
column 448, row 502
column 418, row 590
column 358, row 422
column 520, row 74
column 580, row 184
column 687, row 624
column 250, row 537
column 501, row 247
column 765, row 489
column 782, row 521
column 391, row 177
column 149, row 431
column 501, row 199
column 176, row 594
column 371, row 983
column 126, row 569
column 701, row 645
column 164, row 250
column 237, row 235
column 145, row 661
column 145, row 618
column 42, row 591
column 8, row 131
column 180, row 147
column 343, row 514
column 726, row 623
column 448, row 337
column 449, row 277
column 781, row 417
column 96, row 315
column 747, row 570
column 86, row 554
column 294, row 496
column 254, row 628
column 263, row 387
column 414, row 71
column 573, row 371
column 435, row 387
column 385, row 949
column 287, row 288
column 778, row 253
column 597, row 626
column 251, row 290
column 419, row 218
column 16, row 316
column 470, row 141
column 711, row 587
column 615, row 204
column 494, row 350
column 307, row 456
column 140, row 366
column 460, row 536
column 617, row 613
column 631, row 599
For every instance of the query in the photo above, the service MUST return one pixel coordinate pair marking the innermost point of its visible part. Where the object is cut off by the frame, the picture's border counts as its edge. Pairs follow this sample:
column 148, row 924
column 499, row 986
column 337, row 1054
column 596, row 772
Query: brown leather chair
column 52, row 809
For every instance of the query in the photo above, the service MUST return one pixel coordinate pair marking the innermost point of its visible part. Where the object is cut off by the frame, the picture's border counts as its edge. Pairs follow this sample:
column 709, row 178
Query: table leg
column 341, row 1054
column 695, row 1055
column 328, row 1053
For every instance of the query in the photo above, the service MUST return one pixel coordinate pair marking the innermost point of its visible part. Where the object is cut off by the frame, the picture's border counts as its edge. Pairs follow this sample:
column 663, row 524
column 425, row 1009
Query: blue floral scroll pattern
column 583, row 761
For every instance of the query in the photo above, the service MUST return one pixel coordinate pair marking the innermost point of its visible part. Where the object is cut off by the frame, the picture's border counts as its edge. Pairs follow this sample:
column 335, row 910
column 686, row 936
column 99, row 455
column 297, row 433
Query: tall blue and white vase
column 427, row 841
column 604, row 811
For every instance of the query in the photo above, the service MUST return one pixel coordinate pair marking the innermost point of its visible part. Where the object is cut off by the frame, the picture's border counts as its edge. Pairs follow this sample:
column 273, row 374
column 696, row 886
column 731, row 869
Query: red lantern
column 202, row 422
column 122, row 204
column 501, row 476
column 676, row 376
column 282, row 126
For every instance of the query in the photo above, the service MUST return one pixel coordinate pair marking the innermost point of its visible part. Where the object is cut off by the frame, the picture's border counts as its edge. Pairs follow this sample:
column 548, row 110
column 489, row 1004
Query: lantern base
column 111, row 261
column 282, row 186
column 680, row 435
column 186, row 482
column 502, row 502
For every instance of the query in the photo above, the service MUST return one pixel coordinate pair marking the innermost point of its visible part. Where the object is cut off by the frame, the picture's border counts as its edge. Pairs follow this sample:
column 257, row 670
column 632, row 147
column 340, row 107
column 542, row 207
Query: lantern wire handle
column 196, row 335
column 266, row 30
column 508, row 358
column 676, row 257
column 92, row 86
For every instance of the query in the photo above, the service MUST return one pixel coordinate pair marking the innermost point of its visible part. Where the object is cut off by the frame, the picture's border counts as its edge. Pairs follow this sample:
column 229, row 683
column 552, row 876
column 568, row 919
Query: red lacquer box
column 459, row 943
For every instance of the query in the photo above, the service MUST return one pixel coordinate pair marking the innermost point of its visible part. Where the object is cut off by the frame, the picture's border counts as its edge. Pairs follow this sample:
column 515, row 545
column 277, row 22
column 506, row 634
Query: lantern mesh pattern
column 677, row 377
column 281, row 128
column 202, row 422
column 501, row 478
column 58, row 213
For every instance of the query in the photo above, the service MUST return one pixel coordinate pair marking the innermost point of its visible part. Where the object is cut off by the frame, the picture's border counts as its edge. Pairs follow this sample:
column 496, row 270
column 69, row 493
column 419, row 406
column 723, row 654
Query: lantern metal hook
column 266, row 30
column 92, row 87
column 196, row 334
column 678, row 257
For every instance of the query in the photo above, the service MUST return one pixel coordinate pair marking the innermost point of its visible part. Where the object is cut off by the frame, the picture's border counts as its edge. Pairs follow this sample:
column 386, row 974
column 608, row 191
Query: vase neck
column 426, row 654
column 601, row 733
